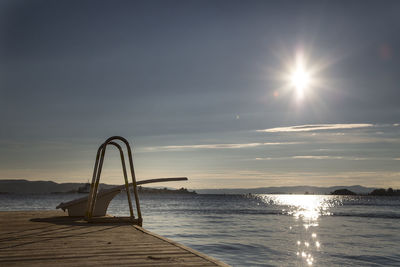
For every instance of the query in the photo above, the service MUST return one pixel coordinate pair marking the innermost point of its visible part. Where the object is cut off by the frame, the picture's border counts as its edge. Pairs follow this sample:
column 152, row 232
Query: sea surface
column 263, row 230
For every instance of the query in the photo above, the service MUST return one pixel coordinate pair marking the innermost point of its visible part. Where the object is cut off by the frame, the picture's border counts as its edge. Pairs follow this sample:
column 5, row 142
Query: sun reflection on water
column 307, row 207
column 306, row 211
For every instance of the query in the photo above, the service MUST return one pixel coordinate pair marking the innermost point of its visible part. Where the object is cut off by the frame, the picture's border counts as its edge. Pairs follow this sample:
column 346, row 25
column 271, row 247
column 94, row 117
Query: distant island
column 50, row 187
column 142, row 190
column 147, row 190
column 46, row 187
column 383, row 192
column 343, row 192
column 375, row 192
column 302, row 189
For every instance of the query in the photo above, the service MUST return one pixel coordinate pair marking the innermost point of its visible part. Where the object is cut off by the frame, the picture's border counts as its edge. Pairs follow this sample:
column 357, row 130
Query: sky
column 203, row 89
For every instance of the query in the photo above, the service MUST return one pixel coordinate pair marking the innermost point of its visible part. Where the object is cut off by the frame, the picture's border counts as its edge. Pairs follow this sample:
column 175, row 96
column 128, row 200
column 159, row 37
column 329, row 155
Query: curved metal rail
column 96, row 179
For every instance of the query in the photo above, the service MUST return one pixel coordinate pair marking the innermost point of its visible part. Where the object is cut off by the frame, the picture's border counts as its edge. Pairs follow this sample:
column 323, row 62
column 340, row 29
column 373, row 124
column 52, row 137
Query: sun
column 300, row 77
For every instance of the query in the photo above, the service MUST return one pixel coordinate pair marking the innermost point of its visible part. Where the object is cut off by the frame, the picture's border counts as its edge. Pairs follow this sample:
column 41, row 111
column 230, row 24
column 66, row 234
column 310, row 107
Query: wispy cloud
column 316, row 127
column 329, row 157
column 324, row 157
column 215, row 146
column 229, row 179
column 269, row 158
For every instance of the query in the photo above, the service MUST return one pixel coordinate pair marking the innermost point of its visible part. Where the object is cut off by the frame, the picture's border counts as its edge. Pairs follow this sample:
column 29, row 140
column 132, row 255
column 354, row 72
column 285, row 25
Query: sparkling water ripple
column 264, row 230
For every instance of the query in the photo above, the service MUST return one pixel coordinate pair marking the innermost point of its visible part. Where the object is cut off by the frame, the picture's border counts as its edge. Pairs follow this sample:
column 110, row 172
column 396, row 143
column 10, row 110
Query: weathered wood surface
column 49, row 238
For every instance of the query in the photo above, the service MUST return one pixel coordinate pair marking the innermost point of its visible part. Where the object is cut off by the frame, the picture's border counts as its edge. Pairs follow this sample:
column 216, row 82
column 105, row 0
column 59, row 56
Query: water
column 264, row 230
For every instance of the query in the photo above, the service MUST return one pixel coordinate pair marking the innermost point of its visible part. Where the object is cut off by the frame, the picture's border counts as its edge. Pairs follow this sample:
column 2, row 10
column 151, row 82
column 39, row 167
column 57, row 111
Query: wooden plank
column 48, row 238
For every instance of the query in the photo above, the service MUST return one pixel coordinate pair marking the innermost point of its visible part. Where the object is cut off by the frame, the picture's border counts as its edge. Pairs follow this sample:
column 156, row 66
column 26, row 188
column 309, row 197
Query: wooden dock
column 49, row 238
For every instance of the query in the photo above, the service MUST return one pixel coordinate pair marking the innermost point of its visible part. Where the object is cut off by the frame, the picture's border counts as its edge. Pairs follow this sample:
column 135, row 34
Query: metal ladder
column 96, row 180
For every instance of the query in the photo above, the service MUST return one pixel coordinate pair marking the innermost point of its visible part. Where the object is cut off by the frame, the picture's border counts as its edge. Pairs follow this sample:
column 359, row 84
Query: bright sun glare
column 300, row 77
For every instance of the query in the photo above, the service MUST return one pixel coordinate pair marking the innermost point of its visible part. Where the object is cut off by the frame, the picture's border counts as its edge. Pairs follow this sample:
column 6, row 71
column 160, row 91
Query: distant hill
column 45, row 187
column 383, row 192
column 147, row 190
column 343, row 192
column 39, row 187
column 288, row 190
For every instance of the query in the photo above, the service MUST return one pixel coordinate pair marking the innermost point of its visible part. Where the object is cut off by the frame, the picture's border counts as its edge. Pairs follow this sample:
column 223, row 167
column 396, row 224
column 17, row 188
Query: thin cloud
column 311, row 157
column 329, row 157
column 216, row 146
column 316, row 127
column 323, row 157
column 234, row 179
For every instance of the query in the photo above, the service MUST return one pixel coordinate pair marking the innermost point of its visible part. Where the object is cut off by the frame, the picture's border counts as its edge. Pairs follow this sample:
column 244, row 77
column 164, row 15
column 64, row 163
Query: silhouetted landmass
column 146, row 190
column 41, row 187
column 47, row 187
column 343, row 192
column 383, row 192
column 315, row 190
column 84, row 189
column 35, row 187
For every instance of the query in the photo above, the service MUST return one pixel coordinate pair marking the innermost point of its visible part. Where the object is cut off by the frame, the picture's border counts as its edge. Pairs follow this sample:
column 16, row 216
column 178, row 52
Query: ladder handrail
column 97, row 172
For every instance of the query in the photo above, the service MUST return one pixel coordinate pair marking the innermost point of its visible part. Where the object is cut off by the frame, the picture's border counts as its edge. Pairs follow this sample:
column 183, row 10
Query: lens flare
column 300, row 77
